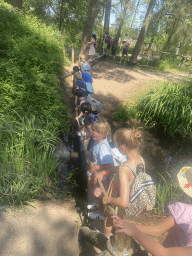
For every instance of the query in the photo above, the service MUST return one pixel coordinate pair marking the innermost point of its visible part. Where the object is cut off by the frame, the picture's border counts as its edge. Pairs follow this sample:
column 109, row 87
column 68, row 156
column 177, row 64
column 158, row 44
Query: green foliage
column 168, row 62
column 31, row 59
column 168, row 107
column 26, row 157
column 125, row 113
column 169, row 192
column 146, row 61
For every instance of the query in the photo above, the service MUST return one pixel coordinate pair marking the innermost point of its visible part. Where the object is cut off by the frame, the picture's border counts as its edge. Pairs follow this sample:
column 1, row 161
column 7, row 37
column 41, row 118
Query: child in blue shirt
column 102, row 165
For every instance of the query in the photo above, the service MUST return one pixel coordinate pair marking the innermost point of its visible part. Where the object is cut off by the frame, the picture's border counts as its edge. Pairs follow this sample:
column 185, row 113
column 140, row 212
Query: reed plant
column 168, row 107
column 26, row 159
column 169, row 192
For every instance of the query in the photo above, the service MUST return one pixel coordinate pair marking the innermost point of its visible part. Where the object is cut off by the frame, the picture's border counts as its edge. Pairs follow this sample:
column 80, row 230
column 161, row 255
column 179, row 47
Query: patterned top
column 181, row 235
column 102, row 153
column 114, row 186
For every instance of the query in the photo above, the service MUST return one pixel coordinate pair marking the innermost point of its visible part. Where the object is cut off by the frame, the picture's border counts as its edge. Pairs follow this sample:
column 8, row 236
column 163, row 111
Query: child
column 102, row 159
column 80, row 84
column 125, row 50
column 179, row 224
column 92, row 47
column 86, row 118
column 114, row 48
column 79, row 99
column 128, row 142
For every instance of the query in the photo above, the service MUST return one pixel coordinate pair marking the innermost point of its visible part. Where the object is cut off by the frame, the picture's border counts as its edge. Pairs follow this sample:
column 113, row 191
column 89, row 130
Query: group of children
column 111, row 184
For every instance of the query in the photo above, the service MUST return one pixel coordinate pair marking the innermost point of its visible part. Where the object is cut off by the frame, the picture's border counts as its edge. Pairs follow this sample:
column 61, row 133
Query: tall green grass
column 168, row 107
column 27, row 163
column 169, row 192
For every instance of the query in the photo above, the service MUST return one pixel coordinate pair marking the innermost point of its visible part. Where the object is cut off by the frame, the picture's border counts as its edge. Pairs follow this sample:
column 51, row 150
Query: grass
column 125, row 112
column 169, row 192
column 168, row 107
column 33, row 112
column 26, row 157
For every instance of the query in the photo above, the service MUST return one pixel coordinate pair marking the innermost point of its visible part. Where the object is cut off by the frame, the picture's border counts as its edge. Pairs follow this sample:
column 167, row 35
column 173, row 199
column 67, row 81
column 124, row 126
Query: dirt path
column 115, row 83
column 51, row 228
column 48, row 228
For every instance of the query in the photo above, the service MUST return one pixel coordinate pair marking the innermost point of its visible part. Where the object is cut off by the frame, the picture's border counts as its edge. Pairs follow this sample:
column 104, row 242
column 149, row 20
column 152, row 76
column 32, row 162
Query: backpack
column 86, row 68
column 89, row 87
column 88, row 81
column 95, row 104
column 94, row 118
column 96, row 44
column 142, row 191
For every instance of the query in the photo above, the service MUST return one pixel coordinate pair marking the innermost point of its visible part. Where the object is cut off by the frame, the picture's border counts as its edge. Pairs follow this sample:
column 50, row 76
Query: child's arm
column 151, row 245
column 80, row 115
column 158, row 229
column 125, row 177
column 103, row 168
column 152, row 230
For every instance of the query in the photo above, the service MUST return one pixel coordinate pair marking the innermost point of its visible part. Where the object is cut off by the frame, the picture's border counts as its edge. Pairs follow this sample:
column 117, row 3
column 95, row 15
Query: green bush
column 125, row 113
column 168, row 107
column 168, row 62
column 146, row 61
column 31, row 59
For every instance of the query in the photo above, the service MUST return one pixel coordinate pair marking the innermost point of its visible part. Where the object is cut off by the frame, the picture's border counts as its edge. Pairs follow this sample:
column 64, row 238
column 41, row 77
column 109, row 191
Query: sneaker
column 96, row 215
column 92, row 207
column 79, row 133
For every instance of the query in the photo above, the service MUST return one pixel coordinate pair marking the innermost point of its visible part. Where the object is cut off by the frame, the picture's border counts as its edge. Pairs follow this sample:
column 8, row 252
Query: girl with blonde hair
column 128, row 141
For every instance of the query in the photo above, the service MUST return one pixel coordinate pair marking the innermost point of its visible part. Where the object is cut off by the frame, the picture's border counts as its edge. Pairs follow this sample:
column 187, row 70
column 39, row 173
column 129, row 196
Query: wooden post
column 73, row 54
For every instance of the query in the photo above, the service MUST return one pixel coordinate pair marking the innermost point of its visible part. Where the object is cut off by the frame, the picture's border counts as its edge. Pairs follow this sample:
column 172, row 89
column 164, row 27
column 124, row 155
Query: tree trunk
column 92, row 13
column 61, row 16
column 16, row 3
column 143, row 31
column 121, row 22
column 107, row 16
column 171, row 33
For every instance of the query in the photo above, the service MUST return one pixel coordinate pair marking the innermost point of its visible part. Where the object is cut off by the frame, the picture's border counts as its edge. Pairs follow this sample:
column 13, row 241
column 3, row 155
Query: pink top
column 182, row 214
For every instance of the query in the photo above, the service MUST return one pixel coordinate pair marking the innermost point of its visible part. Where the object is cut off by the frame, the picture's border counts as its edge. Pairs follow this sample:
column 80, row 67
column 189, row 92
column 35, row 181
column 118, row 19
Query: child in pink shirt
column 178, row 242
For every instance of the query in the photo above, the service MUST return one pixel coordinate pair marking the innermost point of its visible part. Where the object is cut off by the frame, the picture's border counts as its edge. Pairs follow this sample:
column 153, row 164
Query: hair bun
column 136, row 134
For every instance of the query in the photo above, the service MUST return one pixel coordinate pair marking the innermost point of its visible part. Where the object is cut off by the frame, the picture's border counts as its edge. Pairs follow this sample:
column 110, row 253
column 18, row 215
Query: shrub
column 31, row 59
column 168, row 62
column 169, row 107
column 125, row 113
